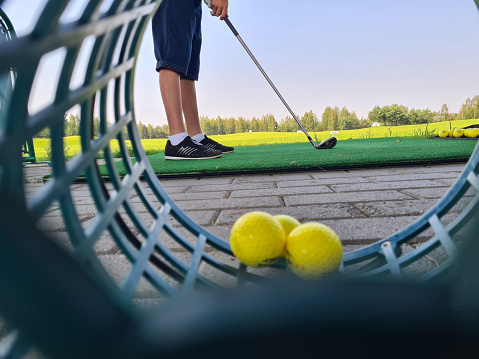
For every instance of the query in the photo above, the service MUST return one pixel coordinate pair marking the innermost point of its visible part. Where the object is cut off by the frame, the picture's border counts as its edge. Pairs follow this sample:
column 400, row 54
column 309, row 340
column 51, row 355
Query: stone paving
column 361, row 205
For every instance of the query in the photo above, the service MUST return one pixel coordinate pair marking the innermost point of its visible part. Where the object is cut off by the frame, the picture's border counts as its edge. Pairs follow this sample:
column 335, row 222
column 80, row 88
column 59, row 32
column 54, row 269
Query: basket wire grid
column 110, row 31
column 7, row 33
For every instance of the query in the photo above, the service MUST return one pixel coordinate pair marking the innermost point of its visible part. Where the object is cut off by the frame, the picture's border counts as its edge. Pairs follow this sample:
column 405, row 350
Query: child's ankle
column 199, row 137
column 178, row 138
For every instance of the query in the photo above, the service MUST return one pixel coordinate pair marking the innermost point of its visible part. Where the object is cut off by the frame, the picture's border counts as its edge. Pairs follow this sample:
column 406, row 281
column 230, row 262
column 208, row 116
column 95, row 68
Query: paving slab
column 118, row 267
column 241, row 179
column 232, row 187
column 437, row 192
column 395, row 208
column 368, row 230
column 199, row 196
column 322, row 182
column 171, row 189
column 280, row 191
column 203, row 218
column 361, row 205
column 386, row 186
column 445, row 167
column 353, row 173
column 231, row 203
column 416, row 176
column 192, row 182
column 354, row 197
column 447, row 181
column 301, row 213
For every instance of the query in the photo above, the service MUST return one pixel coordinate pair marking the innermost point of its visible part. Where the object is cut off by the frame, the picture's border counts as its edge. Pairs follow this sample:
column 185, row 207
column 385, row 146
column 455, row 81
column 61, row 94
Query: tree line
column 71, row 127
column 332, row 119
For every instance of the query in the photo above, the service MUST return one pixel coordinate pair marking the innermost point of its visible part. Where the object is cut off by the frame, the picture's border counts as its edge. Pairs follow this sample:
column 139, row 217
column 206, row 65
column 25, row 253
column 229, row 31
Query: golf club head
column 326, row 144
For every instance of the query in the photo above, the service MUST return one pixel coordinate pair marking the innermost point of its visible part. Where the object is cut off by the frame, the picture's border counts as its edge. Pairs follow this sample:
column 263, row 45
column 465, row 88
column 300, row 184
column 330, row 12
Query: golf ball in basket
column 313, row 250
column 289, row 223
column 257, row 239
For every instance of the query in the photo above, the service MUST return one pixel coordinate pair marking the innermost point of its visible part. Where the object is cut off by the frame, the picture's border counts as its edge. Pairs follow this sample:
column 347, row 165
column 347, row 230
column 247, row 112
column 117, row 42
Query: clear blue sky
column 319, row 53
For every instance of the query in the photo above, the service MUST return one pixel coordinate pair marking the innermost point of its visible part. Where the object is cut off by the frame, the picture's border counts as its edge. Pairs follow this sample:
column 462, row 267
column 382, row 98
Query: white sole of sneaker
column 186, row 158
column 229, row 151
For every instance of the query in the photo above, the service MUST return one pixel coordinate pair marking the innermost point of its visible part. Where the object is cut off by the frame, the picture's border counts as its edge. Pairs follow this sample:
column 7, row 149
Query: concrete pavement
column 361, row 205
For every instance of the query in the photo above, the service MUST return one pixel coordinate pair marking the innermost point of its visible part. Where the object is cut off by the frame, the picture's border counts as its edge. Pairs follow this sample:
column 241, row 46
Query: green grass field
column 72, row 144
column 302, row 156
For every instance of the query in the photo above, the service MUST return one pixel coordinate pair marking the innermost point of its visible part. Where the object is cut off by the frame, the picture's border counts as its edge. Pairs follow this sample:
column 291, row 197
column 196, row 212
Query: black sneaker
column 209, row 143
column 189, row 149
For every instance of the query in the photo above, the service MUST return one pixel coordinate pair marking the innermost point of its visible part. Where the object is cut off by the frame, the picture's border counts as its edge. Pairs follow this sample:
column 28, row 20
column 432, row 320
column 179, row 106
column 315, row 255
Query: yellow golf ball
column 289, row 223
column 458, row 133
column 473, row 133
column 451, row 133
column 313, row 250
column 443, row 133
column 257, row 239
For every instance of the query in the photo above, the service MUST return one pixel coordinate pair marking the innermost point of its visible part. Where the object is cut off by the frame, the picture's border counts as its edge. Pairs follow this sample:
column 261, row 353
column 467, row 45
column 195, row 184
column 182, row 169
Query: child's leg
column 176, row 30
column 179, row 97
column 171, row 94
column 190, row 107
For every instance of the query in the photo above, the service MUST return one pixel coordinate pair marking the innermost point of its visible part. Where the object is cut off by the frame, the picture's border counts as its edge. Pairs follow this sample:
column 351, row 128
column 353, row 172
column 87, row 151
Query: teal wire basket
column 7, row 80
column 111, row 32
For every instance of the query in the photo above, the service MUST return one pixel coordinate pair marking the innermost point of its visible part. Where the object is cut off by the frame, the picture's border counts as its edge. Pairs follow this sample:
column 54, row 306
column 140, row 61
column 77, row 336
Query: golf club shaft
column 235, row 32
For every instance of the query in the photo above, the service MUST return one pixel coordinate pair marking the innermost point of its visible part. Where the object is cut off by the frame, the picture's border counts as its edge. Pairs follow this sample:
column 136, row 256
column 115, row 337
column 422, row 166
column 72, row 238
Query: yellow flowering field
column 72, row 144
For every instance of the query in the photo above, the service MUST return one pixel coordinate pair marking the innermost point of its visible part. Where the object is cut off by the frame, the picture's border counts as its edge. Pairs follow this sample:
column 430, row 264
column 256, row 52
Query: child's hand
column 219, row 8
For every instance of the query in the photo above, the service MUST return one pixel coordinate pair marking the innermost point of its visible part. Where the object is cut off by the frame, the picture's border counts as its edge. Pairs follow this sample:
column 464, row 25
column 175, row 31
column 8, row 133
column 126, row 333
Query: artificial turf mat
column 303, row 156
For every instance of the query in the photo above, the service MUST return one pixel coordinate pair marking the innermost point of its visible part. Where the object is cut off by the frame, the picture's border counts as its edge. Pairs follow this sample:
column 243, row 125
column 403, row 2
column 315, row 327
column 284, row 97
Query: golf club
column 330, row 142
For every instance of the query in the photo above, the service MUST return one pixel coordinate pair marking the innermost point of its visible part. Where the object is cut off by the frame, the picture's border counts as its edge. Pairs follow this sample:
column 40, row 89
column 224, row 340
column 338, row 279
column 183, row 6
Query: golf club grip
column 230, row 25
